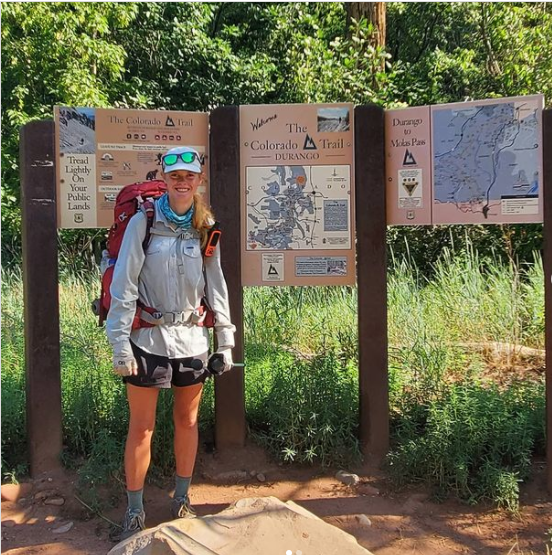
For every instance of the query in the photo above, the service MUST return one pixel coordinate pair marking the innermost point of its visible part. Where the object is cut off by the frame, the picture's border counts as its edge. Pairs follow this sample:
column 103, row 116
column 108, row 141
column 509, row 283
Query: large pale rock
column 253, row 526
column 13, row 492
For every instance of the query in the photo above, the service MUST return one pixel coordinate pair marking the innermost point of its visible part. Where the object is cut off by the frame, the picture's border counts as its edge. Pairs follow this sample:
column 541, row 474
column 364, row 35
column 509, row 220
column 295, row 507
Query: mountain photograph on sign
column 333, row 119
column 77, row 130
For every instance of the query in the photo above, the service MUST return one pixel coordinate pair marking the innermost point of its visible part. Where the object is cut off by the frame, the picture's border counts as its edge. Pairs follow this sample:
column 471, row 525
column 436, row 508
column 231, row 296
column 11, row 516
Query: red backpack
column 131, row 199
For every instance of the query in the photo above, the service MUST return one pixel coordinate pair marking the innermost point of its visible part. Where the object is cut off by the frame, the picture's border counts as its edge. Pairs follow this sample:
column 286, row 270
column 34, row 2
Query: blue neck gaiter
column 183, row 222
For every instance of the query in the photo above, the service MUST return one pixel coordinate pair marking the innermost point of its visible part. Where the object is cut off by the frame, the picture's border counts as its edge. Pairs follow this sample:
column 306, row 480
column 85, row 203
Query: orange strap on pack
column 212, row 240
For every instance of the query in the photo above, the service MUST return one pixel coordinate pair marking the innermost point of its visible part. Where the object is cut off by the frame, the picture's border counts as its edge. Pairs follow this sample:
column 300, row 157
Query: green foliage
column 473, row 440
column 14, row 439
column 445, row 52
column 450, row 428
column 468, row 301
column 52, row 53
column 309, row 319
column 301, row 379
column 181, row 56
column 424, row 245
column 303, row 411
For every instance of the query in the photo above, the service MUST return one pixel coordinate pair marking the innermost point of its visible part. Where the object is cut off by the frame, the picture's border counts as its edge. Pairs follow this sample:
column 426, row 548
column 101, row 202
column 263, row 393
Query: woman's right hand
column 125, row 366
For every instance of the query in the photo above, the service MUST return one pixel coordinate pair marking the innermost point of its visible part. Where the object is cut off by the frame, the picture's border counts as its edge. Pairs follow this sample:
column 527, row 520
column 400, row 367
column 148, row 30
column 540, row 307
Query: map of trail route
column 298, row 207
column 486, row 158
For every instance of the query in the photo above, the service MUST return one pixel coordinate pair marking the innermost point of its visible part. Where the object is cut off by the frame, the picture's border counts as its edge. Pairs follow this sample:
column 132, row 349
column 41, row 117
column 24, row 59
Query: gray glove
column 125, row 366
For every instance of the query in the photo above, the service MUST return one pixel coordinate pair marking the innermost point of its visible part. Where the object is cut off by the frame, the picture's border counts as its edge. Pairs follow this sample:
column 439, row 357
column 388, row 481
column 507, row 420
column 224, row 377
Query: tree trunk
column 374, row 12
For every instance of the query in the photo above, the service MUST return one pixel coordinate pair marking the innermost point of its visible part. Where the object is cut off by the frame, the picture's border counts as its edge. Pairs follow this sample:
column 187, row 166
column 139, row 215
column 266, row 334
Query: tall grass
column 450, row 427
column 13, row 378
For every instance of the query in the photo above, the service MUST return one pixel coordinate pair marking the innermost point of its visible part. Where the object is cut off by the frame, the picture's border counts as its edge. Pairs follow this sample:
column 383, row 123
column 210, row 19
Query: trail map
column 486, row 157
column 298, row 207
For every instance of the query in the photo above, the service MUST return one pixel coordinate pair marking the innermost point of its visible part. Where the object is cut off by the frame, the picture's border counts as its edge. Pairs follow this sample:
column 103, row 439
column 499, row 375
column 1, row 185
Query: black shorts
column 163, row 372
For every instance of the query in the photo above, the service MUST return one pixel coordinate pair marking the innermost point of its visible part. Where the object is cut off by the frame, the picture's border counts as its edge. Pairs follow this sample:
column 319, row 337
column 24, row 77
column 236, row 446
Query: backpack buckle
column 175, row 317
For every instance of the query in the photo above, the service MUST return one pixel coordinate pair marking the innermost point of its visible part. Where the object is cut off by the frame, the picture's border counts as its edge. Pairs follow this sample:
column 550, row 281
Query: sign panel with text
column 99, row 151
column 297, row 194
column 408, row 166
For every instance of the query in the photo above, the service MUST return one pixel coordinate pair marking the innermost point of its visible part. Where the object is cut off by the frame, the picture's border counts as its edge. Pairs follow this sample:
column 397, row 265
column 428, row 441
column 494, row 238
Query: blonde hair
column 203, row 218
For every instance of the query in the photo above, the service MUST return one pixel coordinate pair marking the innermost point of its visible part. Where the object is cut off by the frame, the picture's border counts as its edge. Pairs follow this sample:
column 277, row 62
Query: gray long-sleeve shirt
column 170, row 278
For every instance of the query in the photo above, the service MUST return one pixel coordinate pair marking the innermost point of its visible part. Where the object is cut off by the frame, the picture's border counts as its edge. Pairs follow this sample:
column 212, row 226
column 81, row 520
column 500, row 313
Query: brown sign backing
column 297, row 193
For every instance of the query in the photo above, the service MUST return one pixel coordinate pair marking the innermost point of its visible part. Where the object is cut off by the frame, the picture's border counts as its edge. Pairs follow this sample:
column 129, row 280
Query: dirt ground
column 405, row 522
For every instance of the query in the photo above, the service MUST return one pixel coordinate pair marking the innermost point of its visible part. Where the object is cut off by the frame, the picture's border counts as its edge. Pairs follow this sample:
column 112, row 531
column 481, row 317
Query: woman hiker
column 173, row 276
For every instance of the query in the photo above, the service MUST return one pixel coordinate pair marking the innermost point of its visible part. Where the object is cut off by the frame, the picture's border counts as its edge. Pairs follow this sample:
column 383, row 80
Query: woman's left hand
column 125, row 366
column 226, row 353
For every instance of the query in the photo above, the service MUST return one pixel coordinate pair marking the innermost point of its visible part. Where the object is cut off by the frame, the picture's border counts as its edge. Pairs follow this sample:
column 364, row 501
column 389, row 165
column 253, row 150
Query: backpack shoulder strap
column 148, row 208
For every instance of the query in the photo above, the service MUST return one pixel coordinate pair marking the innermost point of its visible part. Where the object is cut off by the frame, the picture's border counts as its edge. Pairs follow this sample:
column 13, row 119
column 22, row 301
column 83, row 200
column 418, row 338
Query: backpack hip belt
column 186, row 317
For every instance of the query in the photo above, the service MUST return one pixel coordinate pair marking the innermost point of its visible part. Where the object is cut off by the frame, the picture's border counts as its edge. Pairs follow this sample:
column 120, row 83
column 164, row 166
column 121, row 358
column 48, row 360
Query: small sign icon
column 309, row 144
column 157, row 137
column 410, row 215
column 129, row 136
column 410, row 184
column 126, row 166
column 79, row 218
column 169, row 122
column 143, row 136
column 272, row 266
column 107, row 156
column 409, row 159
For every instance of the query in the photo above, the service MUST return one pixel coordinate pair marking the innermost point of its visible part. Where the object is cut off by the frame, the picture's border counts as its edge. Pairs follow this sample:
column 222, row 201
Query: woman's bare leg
column 142, row 402
column 185, row 411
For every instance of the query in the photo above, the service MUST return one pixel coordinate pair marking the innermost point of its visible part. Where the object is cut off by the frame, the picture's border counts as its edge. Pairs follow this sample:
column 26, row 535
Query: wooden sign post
column 372, row 281
column 225, row 200
column 40, row 294
column 547, row 179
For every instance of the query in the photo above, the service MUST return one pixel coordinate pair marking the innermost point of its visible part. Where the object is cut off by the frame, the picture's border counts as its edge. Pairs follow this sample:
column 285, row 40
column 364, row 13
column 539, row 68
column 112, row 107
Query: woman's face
column 181, row 186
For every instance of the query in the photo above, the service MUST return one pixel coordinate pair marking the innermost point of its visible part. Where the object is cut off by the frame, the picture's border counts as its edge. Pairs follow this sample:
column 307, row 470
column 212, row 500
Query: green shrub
column 307, row 410
column 473, row 439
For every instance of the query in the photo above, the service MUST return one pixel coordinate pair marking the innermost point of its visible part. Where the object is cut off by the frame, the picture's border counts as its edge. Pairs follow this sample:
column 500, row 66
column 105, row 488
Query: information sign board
column 297, row 194
column 408, row 166
column 99, row 151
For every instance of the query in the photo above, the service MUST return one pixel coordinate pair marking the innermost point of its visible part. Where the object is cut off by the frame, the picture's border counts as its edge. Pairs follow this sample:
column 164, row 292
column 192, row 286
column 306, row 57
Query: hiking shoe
column 133, row 522
column 181, row 508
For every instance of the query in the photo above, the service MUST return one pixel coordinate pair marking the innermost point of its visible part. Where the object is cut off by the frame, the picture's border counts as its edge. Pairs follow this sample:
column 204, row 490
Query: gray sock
column 182, row 486
column 136, row 499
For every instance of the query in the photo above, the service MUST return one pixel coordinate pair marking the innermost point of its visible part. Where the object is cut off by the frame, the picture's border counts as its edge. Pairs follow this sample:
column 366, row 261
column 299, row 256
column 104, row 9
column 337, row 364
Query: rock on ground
column 347, row 478
column 252, row 526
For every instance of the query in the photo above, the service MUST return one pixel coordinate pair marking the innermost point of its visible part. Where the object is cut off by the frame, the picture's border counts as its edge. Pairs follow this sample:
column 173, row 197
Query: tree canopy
column 196, row 56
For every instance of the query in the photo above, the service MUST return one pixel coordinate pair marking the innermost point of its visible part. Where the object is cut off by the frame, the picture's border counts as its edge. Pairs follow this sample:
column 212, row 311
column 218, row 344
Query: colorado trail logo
column 309, row 144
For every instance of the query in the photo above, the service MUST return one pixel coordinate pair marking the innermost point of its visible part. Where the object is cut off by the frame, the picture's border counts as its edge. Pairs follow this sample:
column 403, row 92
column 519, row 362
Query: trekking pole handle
column 216, row 364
